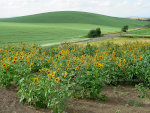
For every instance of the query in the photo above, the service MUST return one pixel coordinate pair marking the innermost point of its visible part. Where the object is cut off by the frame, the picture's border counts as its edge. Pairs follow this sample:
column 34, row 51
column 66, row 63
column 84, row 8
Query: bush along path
column 107, row 37
column 99, row 38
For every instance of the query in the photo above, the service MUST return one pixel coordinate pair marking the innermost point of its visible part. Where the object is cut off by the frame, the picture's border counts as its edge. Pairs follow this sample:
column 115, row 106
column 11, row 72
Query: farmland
column 120, row 41
column 143, row 32
column 57, row 27
column 50, row 33
column 41, row 73
column 108, row 76
column 77, row 17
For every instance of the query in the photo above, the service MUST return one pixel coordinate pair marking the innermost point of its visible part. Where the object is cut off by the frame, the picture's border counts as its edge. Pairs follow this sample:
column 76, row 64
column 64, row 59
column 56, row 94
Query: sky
column 117, row 8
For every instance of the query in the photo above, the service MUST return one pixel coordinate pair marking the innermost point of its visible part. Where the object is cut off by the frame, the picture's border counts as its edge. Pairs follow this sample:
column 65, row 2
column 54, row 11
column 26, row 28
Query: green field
column 77, row 17
column 46, row 33
column 142, row 32
column 49, row 77
column 57, row 27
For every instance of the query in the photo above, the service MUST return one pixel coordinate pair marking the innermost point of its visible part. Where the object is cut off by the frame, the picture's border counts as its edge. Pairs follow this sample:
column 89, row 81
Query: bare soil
column 122, row 98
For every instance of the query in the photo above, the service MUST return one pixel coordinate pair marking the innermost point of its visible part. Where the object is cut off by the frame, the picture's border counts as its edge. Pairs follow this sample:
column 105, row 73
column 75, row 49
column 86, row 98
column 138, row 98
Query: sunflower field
column 47, row 77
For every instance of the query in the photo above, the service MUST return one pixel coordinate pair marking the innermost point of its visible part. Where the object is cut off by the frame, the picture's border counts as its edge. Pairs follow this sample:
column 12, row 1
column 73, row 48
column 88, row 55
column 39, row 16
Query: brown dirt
column 118, row 97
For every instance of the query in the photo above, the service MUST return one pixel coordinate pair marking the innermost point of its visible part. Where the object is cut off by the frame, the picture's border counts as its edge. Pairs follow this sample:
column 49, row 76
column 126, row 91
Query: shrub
column 94, row 33
column 98, row 31
column 125, row 28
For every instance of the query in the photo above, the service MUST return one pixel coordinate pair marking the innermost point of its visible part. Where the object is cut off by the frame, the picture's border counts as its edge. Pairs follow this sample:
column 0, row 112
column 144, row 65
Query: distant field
column 118, row 40
column 77, row 17
column 56, row 27
column 142, row 32
column 46, row 33
column 140, row 18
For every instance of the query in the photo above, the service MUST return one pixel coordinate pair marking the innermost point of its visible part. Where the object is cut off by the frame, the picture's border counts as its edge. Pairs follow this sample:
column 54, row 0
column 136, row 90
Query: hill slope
column 76, row 17
column 46, row 33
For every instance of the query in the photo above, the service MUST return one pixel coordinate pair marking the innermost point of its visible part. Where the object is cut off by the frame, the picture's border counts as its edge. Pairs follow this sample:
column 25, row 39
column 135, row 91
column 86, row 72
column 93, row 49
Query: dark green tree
column 125, row 28
column 94, row 33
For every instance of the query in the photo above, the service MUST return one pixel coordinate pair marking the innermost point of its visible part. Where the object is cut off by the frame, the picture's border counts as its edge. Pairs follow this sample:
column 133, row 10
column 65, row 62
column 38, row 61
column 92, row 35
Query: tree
column 98, row 31
column 94, row 33
column 125, row 28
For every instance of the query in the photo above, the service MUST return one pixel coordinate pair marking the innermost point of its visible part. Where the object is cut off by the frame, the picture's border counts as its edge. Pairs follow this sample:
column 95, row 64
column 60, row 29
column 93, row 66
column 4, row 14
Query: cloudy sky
column 118, row 8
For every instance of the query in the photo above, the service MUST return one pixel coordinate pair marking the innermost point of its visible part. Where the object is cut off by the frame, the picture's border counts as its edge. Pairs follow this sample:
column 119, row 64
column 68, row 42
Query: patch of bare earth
column 123, row 99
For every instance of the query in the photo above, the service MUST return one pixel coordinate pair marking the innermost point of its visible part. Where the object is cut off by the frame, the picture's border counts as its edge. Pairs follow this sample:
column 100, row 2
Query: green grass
column 142, row 32
column 46, row 34
column 77, row 17
column 56, row 27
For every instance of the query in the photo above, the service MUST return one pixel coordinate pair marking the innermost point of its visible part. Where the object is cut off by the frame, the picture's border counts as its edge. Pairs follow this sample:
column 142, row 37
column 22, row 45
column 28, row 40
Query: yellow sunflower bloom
column 57, row 79
column 14, row 61
column 35, row 79
column 65, row 74
column 77, row 68
column 140, row 57
column 4, row 65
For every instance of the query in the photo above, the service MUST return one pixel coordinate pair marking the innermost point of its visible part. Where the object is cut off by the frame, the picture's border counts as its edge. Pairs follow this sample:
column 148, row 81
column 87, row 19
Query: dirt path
column 105, row 37
column 98, row 39
column 118, row 97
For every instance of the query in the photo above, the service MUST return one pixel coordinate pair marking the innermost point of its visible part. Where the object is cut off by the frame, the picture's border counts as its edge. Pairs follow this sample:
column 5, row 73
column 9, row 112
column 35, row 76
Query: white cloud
column 123, row 8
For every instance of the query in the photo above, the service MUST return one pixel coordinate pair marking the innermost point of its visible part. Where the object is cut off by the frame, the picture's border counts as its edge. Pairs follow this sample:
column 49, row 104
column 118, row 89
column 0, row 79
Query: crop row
column 48, row 77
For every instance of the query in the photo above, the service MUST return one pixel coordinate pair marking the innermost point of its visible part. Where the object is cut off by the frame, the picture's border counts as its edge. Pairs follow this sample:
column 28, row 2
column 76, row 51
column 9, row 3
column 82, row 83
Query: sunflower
column 100, row 57
column 40, row 70
column 57, row 79
column 4, row 65
column 97, row 64
column 15, row 58
column 28, row 62
column 35, row 79
column 43, row 53
column 140, row 57
column 65, row 74
column 7, row 67
column 49, row 76
column 96, row 57
column 77, row 68
column 68, row 61
column 54, row 73
column 101, row 66
column 132, row 55
column 31, row 64
column 48, row 72
column 134, row 59
column 21, row 57
column 124, row 61
column 58, row 69
column 14, row 61
column 68, row 65
column 127, row 65
column 48, row 61
column 6, row 51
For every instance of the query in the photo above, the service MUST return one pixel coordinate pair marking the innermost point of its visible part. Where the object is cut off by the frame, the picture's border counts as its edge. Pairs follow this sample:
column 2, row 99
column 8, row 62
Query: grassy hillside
column 77, row 17
column 142, row 32
column 46, row 33
column 57, row 27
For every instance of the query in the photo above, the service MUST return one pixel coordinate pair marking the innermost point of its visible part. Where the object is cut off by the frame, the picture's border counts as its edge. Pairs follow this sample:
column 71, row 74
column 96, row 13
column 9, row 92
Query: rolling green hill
column 56, row 27
column 46, row 34
column 76, row 17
